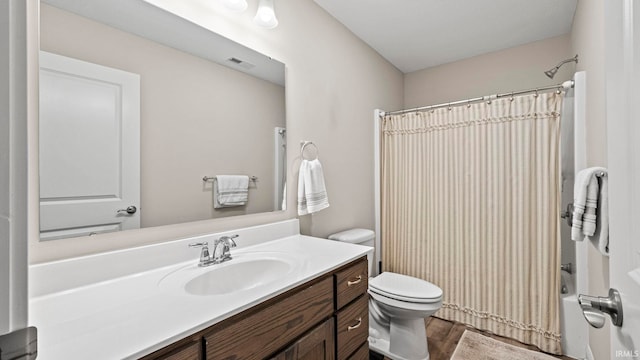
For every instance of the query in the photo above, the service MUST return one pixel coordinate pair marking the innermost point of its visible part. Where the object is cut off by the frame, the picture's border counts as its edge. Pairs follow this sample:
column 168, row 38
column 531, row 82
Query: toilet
column 398, row 305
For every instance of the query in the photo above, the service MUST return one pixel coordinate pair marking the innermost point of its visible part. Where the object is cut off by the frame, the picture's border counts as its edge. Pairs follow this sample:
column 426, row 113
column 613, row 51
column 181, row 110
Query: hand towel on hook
column 312, row 193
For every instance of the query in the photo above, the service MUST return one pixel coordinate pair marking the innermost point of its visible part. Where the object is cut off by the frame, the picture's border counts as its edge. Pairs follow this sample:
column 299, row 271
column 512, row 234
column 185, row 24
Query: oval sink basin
column 244, row 272
column 237, row 276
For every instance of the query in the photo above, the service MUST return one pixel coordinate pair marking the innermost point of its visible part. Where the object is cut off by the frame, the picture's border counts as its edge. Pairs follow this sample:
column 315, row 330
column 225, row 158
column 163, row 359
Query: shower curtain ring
column 511, row 97
column 536, row 94
column 449, row 106
column 468, row 103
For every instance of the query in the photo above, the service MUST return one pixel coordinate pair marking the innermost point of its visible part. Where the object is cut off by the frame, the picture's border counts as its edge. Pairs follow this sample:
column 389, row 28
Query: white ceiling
column 144, row 19
column 417, row 34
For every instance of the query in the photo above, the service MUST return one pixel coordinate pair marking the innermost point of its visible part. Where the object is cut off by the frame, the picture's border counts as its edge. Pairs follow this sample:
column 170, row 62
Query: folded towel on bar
column 230, row 190
column 312, row 194
column 600, row 238
column 590, row 208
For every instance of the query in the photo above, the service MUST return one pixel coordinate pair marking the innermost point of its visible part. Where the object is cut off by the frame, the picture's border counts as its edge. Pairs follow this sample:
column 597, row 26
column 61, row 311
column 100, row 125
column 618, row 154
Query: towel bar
column 213, row 178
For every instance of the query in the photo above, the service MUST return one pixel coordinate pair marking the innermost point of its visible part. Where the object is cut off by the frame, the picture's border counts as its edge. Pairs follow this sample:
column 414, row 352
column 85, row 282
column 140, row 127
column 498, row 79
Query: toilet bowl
column 398, row 305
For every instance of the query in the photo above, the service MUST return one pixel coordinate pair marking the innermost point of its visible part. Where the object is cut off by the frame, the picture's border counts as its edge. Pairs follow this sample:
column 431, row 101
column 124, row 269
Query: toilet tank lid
column 354, row 236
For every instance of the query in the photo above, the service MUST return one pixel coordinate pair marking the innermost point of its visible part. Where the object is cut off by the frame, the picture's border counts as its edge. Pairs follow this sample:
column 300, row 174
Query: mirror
column 141, row 111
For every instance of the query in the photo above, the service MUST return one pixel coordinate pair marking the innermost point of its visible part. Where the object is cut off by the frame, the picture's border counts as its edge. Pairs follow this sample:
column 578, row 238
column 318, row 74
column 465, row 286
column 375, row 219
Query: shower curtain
column 470, row 201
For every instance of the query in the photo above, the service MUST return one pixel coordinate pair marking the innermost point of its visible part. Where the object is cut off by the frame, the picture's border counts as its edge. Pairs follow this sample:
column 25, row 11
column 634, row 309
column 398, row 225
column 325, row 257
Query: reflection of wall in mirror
column 197, row 119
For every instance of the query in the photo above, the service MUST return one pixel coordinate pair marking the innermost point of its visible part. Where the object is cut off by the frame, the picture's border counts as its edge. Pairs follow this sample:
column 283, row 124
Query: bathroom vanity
column 282, row 296
column 324, row 318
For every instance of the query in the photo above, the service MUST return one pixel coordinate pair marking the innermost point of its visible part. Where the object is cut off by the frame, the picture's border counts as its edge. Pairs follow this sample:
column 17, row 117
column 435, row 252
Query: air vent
column 241, row 63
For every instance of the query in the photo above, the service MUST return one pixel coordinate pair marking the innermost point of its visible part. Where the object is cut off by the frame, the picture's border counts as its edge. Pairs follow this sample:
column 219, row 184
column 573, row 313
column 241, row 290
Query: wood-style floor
column 443, row 336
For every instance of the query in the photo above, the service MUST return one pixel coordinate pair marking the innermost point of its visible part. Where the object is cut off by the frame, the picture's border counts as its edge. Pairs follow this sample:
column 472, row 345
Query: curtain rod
column 564, row 86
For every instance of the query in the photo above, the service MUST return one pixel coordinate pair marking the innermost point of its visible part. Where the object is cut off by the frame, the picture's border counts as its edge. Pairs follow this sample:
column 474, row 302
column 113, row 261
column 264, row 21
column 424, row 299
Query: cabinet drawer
column 191, row 350
column 352, row 327
column 351, row 283
column 362, row 353
column 260, row 333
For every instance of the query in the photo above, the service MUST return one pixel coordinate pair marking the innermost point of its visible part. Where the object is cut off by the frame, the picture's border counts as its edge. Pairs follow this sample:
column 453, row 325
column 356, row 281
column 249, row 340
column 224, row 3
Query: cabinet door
column 318, row 344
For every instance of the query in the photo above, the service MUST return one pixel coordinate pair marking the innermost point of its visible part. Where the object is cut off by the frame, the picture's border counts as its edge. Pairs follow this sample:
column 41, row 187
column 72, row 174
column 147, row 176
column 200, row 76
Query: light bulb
column 266, row 15
column 236, row 5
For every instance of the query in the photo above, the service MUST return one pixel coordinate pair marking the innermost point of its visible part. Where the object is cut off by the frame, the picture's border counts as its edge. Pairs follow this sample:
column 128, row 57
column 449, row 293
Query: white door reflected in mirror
column 89, row 148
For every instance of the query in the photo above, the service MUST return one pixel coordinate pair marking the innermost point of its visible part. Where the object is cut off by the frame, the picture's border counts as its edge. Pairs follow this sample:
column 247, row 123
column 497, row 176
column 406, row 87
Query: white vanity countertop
column 131, row 316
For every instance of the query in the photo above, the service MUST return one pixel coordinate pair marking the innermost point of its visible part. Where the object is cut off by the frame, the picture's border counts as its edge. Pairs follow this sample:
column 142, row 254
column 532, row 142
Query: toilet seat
column 404, row 298
column 405, row 288
column 405, row 306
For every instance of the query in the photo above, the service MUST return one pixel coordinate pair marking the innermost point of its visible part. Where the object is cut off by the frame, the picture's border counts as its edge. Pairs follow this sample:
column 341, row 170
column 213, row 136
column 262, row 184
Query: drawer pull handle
column 355, row 282
column 349, row 328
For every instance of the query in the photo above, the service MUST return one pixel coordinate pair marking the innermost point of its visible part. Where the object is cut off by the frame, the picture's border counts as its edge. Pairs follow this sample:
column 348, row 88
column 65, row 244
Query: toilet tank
column 364, row 237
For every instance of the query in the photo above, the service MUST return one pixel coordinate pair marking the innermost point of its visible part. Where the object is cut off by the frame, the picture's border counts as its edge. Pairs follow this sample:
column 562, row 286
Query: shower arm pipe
column 565, row 86
column 573, row 59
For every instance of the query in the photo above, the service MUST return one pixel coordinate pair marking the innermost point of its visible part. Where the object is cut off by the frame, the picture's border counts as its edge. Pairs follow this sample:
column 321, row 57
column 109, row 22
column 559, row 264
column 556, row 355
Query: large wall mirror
column 141, row 112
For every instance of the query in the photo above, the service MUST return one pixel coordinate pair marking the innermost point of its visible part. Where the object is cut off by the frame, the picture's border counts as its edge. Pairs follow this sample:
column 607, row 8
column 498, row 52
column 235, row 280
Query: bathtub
column 573, row 326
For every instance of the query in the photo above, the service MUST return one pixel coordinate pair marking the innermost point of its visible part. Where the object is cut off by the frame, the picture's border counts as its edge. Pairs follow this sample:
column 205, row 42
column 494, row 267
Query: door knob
column 594, row 308
column 129, row 210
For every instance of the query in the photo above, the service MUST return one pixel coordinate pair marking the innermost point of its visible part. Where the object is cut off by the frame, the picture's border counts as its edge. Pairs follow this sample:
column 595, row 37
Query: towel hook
column 303, row 145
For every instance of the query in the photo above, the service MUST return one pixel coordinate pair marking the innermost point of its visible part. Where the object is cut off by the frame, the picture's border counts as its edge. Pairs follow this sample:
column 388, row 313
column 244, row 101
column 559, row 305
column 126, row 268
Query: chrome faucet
column 225, row 243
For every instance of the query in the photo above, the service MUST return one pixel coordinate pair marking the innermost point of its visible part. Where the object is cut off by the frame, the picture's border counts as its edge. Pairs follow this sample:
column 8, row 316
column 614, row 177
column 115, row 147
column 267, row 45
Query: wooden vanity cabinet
column 264, row 329
column 326, row 318
column 318, row 344
column 186, row 349
column 352, row 308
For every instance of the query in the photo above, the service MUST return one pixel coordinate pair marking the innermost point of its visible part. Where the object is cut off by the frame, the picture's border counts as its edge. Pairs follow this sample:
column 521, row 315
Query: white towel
column 230, row 190
column 312, row 194
column 600, row 238
column 590, row 208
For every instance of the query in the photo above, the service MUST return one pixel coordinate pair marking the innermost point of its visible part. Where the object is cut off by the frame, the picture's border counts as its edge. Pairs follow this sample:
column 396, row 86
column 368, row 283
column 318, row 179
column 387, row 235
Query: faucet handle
column 204, row 254
column 202, row 244
column 228, row 240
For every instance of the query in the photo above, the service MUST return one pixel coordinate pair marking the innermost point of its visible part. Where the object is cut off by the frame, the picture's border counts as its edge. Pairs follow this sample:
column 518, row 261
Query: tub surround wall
column 588, row 40
column 334, row 81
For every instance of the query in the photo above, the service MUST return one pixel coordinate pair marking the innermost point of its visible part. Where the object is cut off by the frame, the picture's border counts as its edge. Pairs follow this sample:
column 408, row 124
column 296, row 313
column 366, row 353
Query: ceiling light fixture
column 266, row 15
column 236, row 5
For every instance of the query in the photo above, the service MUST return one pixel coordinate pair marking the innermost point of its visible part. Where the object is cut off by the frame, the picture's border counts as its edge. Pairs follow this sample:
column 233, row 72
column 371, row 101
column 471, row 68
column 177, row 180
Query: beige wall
column 587, row 39
column 517, row 68
column 195, row 116
column 334, row 81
